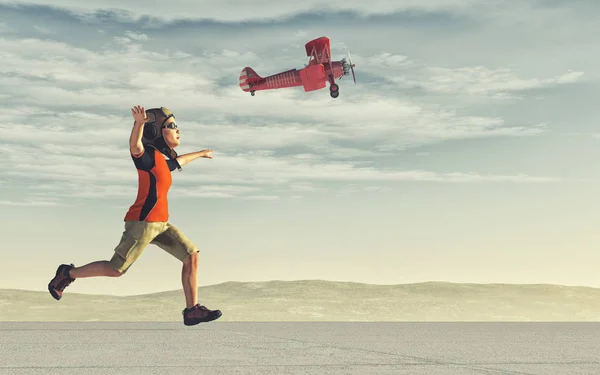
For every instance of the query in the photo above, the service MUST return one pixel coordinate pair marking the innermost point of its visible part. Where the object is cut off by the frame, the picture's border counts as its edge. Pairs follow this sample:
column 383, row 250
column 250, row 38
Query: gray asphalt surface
column 300, row 348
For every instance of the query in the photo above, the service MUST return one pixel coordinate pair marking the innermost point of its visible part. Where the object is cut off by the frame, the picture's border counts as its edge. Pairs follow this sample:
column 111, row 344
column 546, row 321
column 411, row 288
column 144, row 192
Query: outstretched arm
column 186, row 158
column 135, row 139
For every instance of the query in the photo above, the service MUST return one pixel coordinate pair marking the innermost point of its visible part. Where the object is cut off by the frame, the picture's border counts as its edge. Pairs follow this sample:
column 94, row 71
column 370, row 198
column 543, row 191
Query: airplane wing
column 319, row 50
column 313, row 77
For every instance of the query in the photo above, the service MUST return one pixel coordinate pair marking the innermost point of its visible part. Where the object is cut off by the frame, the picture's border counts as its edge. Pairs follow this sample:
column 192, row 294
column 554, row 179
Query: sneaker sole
column 195, row 322
column 53, row 291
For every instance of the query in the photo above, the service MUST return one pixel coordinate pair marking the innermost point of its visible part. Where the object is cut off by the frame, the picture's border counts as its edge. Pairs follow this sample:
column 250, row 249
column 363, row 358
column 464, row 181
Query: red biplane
column 314, row 76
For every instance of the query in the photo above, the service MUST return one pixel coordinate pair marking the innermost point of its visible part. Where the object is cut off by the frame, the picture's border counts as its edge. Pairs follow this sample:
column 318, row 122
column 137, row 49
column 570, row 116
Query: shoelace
column 64, row 283
column 197, row 307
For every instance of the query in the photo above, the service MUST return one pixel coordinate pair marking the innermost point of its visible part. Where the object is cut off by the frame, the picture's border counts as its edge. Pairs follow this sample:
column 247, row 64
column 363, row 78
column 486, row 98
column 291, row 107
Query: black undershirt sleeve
column 145, row 162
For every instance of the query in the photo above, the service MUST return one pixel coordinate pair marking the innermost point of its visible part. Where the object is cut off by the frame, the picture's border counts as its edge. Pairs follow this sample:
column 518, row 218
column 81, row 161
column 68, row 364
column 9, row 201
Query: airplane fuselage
column 293, row 77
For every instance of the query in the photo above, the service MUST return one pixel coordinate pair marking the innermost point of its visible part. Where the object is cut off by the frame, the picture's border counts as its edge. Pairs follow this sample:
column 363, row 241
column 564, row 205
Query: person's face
column 170, row 133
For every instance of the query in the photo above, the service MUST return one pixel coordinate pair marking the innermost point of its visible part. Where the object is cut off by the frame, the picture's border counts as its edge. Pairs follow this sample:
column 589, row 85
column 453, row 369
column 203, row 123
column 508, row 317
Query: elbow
column 136, row 149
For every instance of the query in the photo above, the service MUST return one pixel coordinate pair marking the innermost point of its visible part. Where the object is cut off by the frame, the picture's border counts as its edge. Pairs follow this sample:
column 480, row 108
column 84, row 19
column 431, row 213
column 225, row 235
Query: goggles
column 168, row 114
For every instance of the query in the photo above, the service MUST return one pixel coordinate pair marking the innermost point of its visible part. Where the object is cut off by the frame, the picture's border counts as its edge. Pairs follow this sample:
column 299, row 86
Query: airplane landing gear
column 334, row 90
column 252, row 93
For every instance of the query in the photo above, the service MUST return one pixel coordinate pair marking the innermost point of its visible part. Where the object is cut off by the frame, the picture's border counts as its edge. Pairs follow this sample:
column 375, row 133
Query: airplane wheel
column 252, row 93
column 334, row 88
column 334, row 94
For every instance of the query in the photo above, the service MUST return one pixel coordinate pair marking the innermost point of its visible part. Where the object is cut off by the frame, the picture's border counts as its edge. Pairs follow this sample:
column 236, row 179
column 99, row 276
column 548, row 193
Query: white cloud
column 368, row 115
column 376, row 63
column 249, row 174
column 30, row 203
column 4, row 28
column 136, row 36
column 474, row 81
column 42, row 30
column 66, row 123
column 229, row 10
column 482, row 81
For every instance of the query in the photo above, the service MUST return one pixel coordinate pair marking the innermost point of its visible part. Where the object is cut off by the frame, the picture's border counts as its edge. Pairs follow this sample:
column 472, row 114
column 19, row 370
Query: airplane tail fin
column 247, row 78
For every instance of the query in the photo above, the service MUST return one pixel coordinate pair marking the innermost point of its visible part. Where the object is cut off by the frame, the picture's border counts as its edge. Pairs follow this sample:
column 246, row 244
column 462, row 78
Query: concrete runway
column 300, row 348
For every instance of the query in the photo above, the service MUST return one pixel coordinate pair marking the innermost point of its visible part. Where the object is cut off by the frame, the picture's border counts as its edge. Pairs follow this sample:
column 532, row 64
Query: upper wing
column 319, row 50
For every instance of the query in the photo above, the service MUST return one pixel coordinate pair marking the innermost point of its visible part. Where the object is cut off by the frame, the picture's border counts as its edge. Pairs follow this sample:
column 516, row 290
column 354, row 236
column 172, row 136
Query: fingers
column 139, row 113
column 138, row 109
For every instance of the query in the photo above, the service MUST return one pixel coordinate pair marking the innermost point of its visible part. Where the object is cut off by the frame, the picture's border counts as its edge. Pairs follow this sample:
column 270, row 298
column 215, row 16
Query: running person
column 154, row 134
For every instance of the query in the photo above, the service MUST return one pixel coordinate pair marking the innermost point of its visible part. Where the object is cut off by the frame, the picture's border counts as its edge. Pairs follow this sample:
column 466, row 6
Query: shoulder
column 146, row 159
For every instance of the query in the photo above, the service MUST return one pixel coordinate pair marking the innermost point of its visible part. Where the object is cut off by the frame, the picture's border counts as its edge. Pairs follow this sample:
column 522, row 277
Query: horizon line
column 320, row 280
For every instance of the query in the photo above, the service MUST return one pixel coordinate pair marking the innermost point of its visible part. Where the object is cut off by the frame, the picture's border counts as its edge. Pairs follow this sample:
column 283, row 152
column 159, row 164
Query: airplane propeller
column 351, row 65
column 348, row 66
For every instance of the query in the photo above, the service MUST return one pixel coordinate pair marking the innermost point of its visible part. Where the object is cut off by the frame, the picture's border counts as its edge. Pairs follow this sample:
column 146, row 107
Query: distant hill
column 315, row 300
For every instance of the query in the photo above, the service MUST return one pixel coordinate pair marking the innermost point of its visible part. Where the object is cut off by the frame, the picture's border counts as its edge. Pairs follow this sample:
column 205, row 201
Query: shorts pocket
column 126, row 245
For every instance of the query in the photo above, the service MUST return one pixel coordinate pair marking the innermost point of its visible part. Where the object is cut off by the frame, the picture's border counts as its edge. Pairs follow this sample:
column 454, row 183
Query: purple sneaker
column 199, row 314
column 60, row 281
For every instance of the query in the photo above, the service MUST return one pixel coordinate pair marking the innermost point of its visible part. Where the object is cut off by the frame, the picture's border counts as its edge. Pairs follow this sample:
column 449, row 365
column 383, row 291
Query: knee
column 191, row 261
column 112, row 268
column 115, row 273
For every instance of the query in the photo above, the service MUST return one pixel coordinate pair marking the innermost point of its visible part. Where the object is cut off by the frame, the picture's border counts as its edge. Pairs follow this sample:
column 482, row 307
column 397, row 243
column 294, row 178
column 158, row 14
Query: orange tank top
column 154, row 182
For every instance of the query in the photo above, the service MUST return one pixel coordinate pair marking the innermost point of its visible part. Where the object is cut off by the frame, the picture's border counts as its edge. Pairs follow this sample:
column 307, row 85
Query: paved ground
column 300, row 348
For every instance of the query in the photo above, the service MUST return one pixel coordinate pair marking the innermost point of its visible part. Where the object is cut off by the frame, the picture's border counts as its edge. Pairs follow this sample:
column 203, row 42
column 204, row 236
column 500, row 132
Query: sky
column 465, row 152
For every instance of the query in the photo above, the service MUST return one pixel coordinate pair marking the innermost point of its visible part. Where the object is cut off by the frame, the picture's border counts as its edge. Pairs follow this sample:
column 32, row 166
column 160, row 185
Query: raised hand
column 139, row 114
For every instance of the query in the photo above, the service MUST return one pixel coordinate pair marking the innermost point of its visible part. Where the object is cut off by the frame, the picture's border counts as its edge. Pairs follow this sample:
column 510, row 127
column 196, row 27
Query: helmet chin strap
column 161, row 146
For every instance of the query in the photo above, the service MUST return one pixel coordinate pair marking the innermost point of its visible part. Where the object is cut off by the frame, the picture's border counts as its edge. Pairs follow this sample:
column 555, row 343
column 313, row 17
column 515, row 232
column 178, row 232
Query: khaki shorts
column 139, row 234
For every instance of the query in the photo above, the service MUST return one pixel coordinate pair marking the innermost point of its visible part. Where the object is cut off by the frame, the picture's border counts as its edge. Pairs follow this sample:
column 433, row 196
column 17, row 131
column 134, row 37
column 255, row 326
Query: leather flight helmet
column 152, row 134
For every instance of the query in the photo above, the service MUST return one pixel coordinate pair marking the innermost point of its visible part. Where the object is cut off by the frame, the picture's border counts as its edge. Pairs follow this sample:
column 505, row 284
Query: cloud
column 30, row 203
column 76, row 173
column 482, row 81
column 479, row 81
column 383, row 62
column 65, row 121
column 4, row 28
column 79, row 77
column 236, row 11
column 244, row 168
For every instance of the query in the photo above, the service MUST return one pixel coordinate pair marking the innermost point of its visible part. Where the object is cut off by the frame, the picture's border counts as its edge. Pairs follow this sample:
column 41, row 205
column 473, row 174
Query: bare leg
column 99, row 268
column 189, row 279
